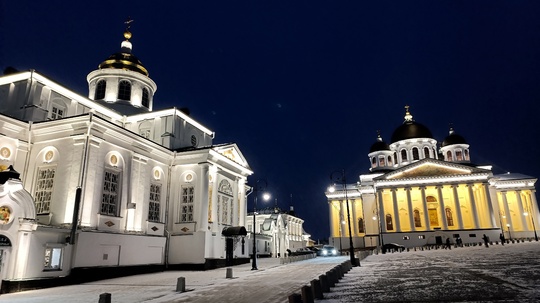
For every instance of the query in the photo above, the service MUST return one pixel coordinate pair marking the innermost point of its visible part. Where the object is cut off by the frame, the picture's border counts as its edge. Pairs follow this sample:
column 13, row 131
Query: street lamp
column 259, row 186
column 335, row 177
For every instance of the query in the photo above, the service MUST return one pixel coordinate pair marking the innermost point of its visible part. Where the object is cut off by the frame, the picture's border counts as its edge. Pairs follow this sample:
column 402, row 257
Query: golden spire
column 408, row 116
column 127, row 33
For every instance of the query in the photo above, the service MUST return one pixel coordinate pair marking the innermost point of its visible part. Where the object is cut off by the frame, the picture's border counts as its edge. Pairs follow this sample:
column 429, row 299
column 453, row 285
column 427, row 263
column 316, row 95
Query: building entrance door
column 438, row 240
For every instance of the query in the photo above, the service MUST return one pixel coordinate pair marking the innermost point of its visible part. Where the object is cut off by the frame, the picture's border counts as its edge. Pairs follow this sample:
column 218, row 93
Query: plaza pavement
column 509, row 273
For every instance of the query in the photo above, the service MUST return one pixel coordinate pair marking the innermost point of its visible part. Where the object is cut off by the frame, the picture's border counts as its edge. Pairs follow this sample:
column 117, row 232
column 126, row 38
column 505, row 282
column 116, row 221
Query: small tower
column 380, row 155
column 121, row 81
column 454, row 148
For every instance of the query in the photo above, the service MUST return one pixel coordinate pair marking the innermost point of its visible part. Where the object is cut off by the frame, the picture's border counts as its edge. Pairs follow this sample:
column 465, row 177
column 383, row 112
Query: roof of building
column 124, row 59
column 453, row 138
column 379, row 145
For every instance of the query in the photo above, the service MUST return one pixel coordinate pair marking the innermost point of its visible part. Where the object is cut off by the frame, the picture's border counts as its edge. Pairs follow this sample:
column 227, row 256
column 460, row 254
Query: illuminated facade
column 277, row 231
column 154, row 189
column 417, row 194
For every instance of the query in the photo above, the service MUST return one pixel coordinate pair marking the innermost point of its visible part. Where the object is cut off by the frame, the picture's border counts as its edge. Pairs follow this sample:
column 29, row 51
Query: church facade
column 418, row 193
column 105, row 182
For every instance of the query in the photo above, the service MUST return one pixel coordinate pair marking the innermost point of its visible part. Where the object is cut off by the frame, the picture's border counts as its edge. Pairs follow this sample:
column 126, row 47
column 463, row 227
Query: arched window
column 466, row 152
column 415, row 154
column 361, row 228
column 459, row 155
column 124, row 90
column 225, row 203
column 390, row 161
column 426, row 152
column 381, row 160
column 389, row 224
column 145, row 98
column 100, row 90
column 403, row 155
column 449, row 217
column 449, row 156
column 417, row 221
column 373, row 162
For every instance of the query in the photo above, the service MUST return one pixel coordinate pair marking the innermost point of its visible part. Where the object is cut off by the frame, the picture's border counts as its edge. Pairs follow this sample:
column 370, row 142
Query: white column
column 411, row 210
column 426, row 211
column 490, row 206
column 441, row 206
column 396, row 210
column 458, row 207
column 212, row 211
column 342, row 218
column 507, row 212
column 382, row 216
column 473, row 206
column 521, row 211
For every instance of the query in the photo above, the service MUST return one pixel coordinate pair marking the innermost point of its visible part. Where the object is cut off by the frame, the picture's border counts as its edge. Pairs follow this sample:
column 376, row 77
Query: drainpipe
column 167, row 201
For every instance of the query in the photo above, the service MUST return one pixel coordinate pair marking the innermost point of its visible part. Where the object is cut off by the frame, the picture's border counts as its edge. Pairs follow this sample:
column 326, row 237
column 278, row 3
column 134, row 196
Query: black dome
column 410, row 130
column 124, row 61
column 452, row 139
column 379, row 146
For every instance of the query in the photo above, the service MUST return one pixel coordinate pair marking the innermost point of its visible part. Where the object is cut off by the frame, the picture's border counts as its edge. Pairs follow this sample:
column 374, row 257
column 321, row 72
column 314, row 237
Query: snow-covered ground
column 507, row 273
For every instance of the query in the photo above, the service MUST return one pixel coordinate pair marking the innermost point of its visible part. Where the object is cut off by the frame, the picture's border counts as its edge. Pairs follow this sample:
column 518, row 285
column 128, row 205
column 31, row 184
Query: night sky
column 303, row 86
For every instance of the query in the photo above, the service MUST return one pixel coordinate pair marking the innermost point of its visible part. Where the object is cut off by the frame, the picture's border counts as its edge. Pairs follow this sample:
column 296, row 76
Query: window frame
column 187, row 204
column 49, row 192
column 101, row 87
column 124, row 90
column 49, row 257
column 154, row 203
column 117, row 196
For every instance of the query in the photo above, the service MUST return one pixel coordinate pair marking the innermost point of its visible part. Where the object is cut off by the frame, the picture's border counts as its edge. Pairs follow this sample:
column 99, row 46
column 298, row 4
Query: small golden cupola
column 121, row 81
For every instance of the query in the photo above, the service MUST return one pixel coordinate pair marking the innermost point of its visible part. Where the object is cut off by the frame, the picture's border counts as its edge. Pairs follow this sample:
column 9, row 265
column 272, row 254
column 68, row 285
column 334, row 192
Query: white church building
column 103, row 184
column 419, row 193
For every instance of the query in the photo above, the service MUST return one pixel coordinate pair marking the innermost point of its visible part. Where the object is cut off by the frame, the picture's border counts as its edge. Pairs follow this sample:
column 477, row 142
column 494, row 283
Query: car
column 392, row 247
column 328, row 250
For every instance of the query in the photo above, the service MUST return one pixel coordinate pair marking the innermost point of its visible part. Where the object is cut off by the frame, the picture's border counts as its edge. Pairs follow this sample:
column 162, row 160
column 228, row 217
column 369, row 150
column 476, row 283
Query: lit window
column 124, row 90
column 225, row 198
column 417, row 221
column 449, row 217
column 154, row 204
column 389, row 160
column 466, row 152
column 448, row 156
column 381, row 160
column 186, row 204
column 406, row 238
column 100, row 90
column 421, row 237
column 111, row 193
column 373, row 162
column 44, row 189
column 459, row 155
column 145, row 98
column 361, row 228
column 53, row 258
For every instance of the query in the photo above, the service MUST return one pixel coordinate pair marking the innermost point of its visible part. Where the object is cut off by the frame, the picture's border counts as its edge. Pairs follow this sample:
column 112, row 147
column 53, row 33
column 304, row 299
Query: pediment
column 430, row 168
column 232, row 152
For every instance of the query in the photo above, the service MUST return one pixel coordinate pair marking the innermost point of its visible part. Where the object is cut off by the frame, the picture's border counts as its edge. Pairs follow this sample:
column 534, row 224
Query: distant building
column 418, row 193
column 107, row 183
column 277, row 231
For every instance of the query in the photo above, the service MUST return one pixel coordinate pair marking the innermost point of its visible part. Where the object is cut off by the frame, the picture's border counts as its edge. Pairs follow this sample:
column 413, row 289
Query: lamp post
column 259, row 186
column 335, row 177
column 509, row 234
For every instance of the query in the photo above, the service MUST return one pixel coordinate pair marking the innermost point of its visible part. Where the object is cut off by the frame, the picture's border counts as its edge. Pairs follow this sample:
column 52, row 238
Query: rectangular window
column 406, row 238
column 111, row 193
column 57, row 112
column 53, row 258
column 154, row 204
column 421, row 237
column 472, row 235
column 186, row 204
column 44, row 189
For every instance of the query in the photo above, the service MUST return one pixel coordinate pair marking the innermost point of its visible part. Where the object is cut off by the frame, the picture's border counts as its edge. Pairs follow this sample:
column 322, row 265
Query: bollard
column 324, row 283
column 295, row 298
column 330, row 276
column 105, row 298
column 229, row 274
column 181, row 284
column 307, row 294
column 317, row 289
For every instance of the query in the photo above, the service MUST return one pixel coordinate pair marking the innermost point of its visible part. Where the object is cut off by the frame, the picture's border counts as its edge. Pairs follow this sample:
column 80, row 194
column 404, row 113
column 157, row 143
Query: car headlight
column 334, row 252
column 324, row 252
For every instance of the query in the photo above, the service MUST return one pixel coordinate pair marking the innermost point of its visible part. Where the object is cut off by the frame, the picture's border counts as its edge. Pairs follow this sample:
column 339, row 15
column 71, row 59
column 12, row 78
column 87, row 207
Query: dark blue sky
column 302, row 87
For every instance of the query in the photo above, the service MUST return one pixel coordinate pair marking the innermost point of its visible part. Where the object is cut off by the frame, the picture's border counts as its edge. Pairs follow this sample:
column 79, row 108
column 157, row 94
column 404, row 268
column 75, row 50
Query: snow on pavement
column 509, row 273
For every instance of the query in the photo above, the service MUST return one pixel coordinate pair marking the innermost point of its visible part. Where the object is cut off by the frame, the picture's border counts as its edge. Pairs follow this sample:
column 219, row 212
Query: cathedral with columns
column 420, row 193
